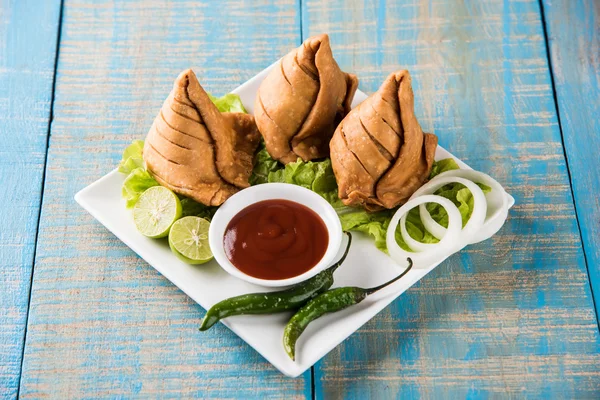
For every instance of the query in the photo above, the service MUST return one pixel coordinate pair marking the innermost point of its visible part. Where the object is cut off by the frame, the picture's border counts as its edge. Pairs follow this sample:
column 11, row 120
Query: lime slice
column 188, row 240
column 155, row 211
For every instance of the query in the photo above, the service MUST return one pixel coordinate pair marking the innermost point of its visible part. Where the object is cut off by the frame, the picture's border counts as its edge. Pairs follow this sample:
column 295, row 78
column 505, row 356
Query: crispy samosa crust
column 195, row 150
column 300, row 102
column 379, row 153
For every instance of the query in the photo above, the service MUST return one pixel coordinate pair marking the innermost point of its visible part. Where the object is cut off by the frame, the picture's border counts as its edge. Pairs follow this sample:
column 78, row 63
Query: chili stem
column 376, row 288
column 341, row 260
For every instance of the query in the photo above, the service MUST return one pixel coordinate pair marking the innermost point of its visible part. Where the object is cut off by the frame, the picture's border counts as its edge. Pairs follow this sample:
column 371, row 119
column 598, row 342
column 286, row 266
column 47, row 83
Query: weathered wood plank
column 28, row 33
column 102, row 322
column 574, row 40
column 508, row 317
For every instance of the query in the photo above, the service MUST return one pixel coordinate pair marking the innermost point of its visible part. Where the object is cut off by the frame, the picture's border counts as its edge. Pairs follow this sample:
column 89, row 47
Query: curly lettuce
column 444, row 165
column 228, row 103
column 132, row 157
column 191, row 207
column 263, row 166
column 136, row 183
column 138, row 179
column 318, row 176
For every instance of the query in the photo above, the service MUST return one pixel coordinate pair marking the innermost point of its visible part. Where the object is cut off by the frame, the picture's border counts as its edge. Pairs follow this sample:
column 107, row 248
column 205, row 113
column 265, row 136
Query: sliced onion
column 473, row 226
column 414, row 244
column 496, row 199
column 437, row 230
column 449, row 244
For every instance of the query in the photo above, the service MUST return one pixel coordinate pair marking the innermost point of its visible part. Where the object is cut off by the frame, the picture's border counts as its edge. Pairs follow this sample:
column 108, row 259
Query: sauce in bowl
column 275, row 239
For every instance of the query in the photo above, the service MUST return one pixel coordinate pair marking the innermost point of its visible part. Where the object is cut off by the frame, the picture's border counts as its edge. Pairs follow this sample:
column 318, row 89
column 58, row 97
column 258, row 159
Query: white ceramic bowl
column 272, row 191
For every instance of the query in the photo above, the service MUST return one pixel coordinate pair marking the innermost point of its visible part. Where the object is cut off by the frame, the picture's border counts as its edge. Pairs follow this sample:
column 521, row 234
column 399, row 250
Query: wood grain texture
column 573, row 29
column 509, row 317
column 28, row 33
column 102, row 322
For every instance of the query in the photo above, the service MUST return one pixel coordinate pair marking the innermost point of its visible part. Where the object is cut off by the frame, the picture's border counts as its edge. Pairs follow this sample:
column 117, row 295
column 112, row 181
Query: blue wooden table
column 512, row 87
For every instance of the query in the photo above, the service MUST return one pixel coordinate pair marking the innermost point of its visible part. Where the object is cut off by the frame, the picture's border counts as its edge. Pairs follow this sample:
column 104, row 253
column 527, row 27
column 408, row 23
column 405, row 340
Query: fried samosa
column 195, row 150
column 301, row 101
column 380, row 155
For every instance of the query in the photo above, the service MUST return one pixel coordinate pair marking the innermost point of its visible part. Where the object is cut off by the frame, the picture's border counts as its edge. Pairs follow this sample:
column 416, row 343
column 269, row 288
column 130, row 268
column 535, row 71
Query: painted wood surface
column 28, row 33
column 509, row 317
column 102, row 322
column 573, row 29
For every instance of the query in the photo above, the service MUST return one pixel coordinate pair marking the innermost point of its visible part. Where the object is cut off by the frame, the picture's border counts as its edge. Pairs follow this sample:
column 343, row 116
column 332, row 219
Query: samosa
column 301, row 101
column 195, row 150
column 380, row 155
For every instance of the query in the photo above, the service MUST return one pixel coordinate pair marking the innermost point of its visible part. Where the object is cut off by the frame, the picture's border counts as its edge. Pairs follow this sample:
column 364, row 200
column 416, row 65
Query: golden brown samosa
column 195, row 150
column 379, row 153
column 300, row 102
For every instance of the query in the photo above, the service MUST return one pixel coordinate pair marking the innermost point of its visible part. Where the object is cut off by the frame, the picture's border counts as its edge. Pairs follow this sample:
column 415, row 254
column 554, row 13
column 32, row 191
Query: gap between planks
column 43, row 185
column 562, row 138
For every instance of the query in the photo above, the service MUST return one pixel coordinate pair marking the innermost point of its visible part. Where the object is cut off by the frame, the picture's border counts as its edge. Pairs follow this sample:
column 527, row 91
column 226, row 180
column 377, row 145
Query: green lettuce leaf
column 314, row 175
column 318, row 176
column 373, row 224
column 191, row 207
column 132, row 157
column 135, row 184
column 324, row 181
column 444, row 165
column 263, row 166
column 228, row 103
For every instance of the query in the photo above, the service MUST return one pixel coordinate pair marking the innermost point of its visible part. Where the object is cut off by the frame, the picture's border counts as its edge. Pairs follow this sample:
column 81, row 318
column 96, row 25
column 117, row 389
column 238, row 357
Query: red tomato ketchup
column 275, row 239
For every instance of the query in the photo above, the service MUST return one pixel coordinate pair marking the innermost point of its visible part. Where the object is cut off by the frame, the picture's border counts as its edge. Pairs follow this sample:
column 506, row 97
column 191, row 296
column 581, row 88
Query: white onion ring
column 496, row 199
column 472, row 227
column 414, row 244
column 437, row 230
column 449, row 244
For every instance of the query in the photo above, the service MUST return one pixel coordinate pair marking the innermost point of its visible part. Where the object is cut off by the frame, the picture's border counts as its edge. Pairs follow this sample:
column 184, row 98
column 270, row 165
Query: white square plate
column 207, row 284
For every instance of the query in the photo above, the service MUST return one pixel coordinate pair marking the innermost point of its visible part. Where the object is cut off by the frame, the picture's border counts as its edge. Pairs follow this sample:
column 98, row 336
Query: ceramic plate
column 207, row 284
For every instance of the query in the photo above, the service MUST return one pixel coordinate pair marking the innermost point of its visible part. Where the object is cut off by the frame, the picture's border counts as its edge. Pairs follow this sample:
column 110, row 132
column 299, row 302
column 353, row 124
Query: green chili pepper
column 331, row 301
column 274, row 302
